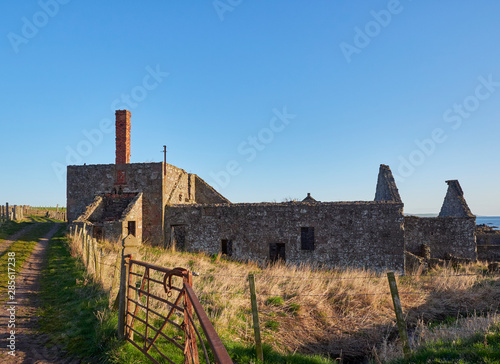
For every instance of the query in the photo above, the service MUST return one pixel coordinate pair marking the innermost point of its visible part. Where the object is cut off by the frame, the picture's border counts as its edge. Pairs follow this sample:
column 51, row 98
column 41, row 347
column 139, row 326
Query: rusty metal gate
column 164, row 317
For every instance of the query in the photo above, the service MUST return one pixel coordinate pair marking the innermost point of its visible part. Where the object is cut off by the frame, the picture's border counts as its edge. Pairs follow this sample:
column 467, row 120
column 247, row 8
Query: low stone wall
column 53, row 214
column 444, row 235
column 337, row 234
column 19, row 212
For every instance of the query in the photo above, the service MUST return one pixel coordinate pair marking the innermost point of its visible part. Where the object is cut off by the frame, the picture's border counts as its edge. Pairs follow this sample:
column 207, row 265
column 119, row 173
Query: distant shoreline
column 435, row 215
column 493, row 221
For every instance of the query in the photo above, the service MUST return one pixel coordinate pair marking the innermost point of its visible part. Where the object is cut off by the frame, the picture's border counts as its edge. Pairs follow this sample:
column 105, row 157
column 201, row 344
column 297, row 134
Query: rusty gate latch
column 179, row 272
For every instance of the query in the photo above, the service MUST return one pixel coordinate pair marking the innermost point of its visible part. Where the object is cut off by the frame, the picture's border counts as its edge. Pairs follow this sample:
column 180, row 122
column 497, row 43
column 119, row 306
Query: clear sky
column 265, row 100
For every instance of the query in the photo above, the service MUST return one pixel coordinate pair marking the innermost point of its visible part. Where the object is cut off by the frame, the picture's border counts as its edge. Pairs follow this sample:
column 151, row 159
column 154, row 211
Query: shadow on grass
column 247, row 354
column 11, row 227
column 74, row 310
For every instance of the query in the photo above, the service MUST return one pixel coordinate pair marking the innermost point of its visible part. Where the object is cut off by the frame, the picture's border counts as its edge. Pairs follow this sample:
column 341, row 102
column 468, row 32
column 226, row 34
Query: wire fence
column 272, row 303
column 281, row 300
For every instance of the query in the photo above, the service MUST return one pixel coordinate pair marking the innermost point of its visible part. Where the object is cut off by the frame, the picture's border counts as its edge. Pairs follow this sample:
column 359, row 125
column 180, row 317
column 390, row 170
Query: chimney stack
column 122, row 136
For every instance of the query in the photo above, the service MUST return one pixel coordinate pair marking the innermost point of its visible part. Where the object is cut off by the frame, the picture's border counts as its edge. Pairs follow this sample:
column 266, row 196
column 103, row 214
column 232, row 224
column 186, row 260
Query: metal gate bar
column 149, row 296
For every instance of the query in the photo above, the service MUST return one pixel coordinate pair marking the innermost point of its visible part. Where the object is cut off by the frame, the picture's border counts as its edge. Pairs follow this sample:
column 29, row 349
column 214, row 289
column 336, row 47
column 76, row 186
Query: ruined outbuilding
column 115, row 200
column 161, row 204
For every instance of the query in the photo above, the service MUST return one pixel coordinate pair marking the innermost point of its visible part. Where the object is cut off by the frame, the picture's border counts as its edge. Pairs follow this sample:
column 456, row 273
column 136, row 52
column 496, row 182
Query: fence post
column 87, row 249
column 255, row 315
column 101, row 265
column 80, row 238
column 403, row 334
column 96, row 264
column 130, row 247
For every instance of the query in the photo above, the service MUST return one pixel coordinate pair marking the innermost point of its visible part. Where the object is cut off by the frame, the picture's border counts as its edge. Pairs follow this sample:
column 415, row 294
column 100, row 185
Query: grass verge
column 35, row 218
column 12, row 227
column 478, row 348
column 22, row 249
column 74, row 310
column 75, row 315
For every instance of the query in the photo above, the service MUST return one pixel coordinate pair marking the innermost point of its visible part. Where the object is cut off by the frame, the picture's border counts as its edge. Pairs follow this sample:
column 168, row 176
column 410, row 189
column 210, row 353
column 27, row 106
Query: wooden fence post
column 130, row 247
column 80, row 240
column 255, row 315
column 87, row 250
column 403, row 333
column 83, row 247
column 96, row 265
column 101, row 265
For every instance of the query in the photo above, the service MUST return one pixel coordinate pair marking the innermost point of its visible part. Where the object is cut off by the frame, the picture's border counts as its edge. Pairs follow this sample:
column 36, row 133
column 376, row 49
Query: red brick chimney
column 122, row 136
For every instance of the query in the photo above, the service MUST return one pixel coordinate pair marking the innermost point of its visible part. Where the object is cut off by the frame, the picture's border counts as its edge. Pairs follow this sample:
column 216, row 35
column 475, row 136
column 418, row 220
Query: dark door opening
column 307, row 238
column 131, row 228
column 178, row 237
column 277, row 252
column 227, row 247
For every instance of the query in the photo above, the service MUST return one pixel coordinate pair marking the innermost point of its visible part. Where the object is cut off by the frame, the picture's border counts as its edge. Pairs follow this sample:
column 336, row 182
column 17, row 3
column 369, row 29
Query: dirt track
column 29, row 346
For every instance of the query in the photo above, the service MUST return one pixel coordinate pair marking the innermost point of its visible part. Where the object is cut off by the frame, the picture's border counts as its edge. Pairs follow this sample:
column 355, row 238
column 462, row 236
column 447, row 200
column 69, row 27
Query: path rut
column 30, row 346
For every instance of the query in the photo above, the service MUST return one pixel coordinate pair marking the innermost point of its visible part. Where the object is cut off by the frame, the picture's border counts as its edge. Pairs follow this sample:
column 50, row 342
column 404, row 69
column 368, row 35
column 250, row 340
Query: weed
column 275, row 301
column 293, row 308
column 272, row 325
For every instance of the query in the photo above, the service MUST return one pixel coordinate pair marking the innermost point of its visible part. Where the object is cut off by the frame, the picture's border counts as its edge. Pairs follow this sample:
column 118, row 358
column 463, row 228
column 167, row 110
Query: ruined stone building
column 122, row 198
column 164, row 205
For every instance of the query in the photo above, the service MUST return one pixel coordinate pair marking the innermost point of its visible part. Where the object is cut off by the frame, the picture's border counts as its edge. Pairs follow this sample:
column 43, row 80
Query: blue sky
column 265, row 100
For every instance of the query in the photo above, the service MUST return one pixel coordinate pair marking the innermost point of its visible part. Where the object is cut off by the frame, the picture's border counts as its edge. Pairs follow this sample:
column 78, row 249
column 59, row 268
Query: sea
column 493, row 221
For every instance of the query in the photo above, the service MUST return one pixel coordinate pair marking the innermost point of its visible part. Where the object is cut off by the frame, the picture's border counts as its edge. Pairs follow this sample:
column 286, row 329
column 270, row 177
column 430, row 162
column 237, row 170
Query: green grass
column 43, row 219
column 75, row 315
column 246, row 355
column 22, row 249
column 275, row 301
column 12, row 227
column 74, row 310
column 49, row 208
column 478, row 348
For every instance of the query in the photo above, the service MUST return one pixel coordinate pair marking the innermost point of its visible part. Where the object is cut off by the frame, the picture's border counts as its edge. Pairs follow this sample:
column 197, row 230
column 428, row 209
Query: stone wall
column 444, row 235
column 206, row 194
column 488, row 243
column 177, row 186
column 85, row 182
column 133, row 213
column 161, row 184
column 53, row 214
column 386, row 186
column 181, row 187
column 94, row 209
column 346, row 234
column 454, row 204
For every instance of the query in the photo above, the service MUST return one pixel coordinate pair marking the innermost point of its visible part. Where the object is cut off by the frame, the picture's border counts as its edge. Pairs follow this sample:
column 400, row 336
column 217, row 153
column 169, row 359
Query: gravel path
column 29, row 346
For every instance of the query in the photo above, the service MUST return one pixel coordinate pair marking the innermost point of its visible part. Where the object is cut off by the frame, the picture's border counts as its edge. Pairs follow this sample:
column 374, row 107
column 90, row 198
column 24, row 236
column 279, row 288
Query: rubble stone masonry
column 346, row 234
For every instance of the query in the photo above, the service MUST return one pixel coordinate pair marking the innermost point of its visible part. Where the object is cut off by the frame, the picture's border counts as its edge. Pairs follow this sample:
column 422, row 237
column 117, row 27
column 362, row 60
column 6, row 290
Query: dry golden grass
column 320, row 311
